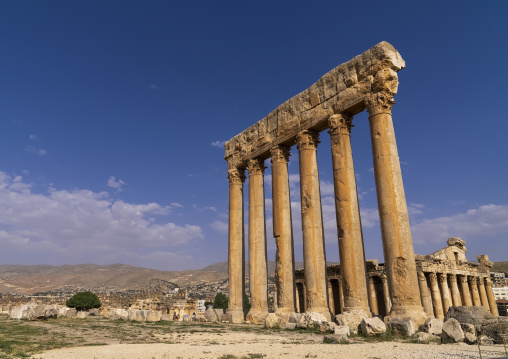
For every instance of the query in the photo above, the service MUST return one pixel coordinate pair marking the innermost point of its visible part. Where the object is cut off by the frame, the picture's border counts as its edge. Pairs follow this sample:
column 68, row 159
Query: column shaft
column 436, row 296
column 466, row 294
column 397, row 243
column 474, row 291
column 257, row 244
column 372, row 296
column 445, row 292
column 455, row 291
column 236, row 245
column 330, row 299
column 424, row 293
column 491, row 297
column 351, row 250
column 312, row 225
column 483, row 293
column 386, row 295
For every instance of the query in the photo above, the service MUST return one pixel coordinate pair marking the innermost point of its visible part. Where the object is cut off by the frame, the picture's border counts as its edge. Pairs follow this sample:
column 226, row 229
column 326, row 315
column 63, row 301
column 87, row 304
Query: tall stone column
column 474, row 291
column 341, row 297
column 330, row 299
column 312, row 224
column 445, row 292
column 351, row 251
column 258, row 277
column 236, row 244
column 386, row 294
column 491, row 297
column 455, row 290
column 397, row 243
column 436, row 296
column 283, row 232
column 483, row 293
column 466, row 294
column 372, row 296
column 424, row 293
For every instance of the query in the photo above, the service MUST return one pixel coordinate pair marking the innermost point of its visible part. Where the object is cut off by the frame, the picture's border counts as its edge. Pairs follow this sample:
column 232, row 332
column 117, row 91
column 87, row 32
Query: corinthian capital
column 421, row 276
column 379, row 102
column 432, row 277
column 307, row 139
column 442, row 277
column 280, row 153
column 472, row 280
column 236, row 175
column 256, row 166
column 339, row 124
column 463, row 279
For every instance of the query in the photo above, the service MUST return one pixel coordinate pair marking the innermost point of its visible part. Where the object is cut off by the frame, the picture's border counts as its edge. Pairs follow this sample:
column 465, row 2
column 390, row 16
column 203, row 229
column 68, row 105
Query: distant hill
column 500, row 267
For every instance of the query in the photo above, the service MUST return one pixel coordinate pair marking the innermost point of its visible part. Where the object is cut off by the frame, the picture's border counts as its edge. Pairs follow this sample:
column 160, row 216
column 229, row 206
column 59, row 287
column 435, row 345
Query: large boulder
column 71, row 313
column 352, row 319
column 311, row 319
column 211, row 315
column 403, row 327
column 432, row 326
column 272, row 321
column 342, row 330
column 470, row 315
column 295, row 317
column 372, row 326
column 41, row 312
column 452, row 332
column 18, row 312
column 153, row 316
column 220, row 314
column 83, row 314
column 425, row 338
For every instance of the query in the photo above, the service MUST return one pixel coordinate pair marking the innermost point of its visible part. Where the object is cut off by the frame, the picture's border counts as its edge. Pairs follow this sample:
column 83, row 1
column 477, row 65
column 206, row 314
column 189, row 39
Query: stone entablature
column 342, row 90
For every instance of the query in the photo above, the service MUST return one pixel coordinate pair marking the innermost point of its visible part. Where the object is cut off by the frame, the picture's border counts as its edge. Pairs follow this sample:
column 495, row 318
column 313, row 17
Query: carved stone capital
column 421, row 276
column 442, row 277
column 463, row 279
column 280, row 153
column 307, row 140
column 380, row 102
column 339, row 124
column 472, row 280
column 488, row 282
column 256, row 166
column 453, row 278
column 386, row 80
column 480, row 281
column 236, row 175
column 432, row 277
column 384, row 279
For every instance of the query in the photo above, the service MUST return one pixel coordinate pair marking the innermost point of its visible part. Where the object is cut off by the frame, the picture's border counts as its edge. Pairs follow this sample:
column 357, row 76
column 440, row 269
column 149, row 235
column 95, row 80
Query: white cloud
column 477, row 223
column 218, row 143
column 34, row 137
column 176, row 204
column 38, row 151
column 82, row 224
column 210, row 208
column 153, row 87
column 115, row 184
column 220, row 226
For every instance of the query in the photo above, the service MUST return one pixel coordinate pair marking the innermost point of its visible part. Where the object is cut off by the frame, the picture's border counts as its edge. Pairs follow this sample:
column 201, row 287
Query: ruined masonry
column 368, row 81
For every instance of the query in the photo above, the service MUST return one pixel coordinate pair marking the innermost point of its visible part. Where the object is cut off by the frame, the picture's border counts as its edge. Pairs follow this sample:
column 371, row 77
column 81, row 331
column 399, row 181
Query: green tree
column 220, row 301
column 246, row 303
column 84, row 301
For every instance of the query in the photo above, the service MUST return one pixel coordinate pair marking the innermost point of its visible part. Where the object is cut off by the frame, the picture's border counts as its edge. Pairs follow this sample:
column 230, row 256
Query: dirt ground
column 105, row 339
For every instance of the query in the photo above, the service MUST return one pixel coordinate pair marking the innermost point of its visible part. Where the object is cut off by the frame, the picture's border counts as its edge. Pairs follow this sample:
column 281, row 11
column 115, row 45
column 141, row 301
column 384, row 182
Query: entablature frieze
column 345, row 89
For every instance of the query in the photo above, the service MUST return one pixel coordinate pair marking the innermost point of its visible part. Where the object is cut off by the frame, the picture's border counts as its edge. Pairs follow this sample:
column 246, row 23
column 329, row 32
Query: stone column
column 455, row 290
column 445, row 292
column 312, row 224
column 397, row 243
column 436, row 296
column 386, row 294
column 491, row 297
column 474, row 291
column 330, row 299
column 258, row 277
column 424, row 293
column 236, row 243
column 283, row 232
column 372, row 296
column 483, row 293
column 351, row 251
column 341, row 297
column 466, row 294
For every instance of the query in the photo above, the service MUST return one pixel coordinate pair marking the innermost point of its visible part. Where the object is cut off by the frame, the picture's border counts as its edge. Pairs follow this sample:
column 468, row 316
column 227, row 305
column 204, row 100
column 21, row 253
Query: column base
column 367, row 310
column 415, row 313
column 324, row 310
column 283, row 314
column 235, row 316
column 257, row 316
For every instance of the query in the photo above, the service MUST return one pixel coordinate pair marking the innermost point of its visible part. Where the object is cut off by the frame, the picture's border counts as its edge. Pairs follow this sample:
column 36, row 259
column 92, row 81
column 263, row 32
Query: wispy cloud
column 220, row 226
column 113, row 183
column 33, row 137
column 153, row 87
column 38, row 151
column 218, row 143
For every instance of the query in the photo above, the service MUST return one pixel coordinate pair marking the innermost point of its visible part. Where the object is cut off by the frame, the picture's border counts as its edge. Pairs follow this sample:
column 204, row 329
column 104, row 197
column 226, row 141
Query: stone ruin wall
column 343, row 89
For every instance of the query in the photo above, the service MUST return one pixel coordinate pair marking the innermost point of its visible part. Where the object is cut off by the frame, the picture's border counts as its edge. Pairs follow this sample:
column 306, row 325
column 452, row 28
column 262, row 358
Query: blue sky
column 113, row 116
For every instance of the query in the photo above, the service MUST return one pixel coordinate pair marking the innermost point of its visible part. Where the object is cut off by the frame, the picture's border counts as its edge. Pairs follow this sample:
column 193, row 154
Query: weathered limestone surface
column 257, row 244
column 347, row 211
column 342, row 89
column 283, row 232
column 372, row 326
column 236, row 252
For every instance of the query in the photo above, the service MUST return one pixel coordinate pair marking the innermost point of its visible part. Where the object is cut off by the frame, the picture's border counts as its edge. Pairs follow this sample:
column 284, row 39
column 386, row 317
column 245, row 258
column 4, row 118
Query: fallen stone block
column 432, row 326
column 372, row 326
column 402, row 327
column 452, row 332
column 336, row 339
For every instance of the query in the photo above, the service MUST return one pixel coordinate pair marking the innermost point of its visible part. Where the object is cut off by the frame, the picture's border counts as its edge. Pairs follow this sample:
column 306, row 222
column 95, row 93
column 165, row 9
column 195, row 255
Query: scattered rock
column 325, row 327
column 372, row 326
column 94, row 313
column 271, row 321
column 402, row 327
column 352, row 319
column 295, row 317
column 425, row 338
column 342, row 330
column 452, row 332
column 211, row 316
column 82, row 314
column 468, row 328
column 485, row 340
column 470, row 338
column 310, row 319
column 336, row 339
column 290, row 325
column 471, row 315
column 432, row 326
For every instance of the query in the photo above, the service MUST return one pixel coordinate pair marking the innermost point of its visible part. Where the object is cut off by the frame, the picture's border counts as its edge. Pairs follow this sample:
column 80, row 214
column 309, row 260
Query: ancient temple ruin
column 368, row 81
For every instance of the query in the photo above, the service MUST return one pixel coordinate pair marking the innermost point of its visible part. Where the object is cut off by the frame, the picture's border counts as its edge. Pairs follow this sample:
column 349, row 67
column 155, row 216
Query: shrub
column 84, row 301
column 220, row 301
